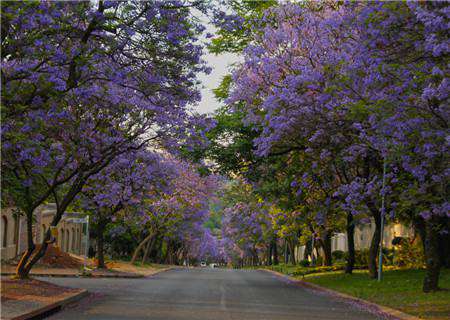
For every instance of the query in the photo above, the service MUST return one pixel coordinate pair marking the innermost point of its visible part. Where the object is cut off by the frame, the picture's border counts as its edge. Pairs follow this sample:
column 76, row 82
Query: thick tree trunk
column 307, row 252
column 141, row 246
column 419, row 226
column 101, row 244
column 350, row 228
column 432, row 259
column 291, row 247
column 168, row 258
column 275, row 252
column 159, row 253
column 374, row 245
column 255, row 259
column 269, row 255
column 21, row 270
column 286, row 253
column 326, row 246
column 148, row 249
column 30, row 257
column 444, row 243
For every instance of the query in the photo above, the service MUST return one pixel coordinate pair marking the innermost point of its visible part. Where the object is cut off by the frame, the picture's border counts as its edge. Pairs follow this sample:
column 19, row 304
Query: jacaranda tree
column 355, row 86
column 84, row 83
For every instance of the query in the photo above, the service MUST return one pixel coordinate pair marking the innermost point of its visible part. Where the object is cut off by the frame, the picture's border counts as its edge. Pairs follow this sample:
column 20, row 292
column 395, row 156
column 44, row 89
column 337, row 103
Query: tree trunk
column 148, row 249
column 291, row 252
column 21, row 270
column 444, row 243
column 275, row 260
column 432, row 259
column 269, row 255
column 168, row 258
column 326, row 246
column 255, row 258
column 275, row 252
column 141, row 246
column 286, row 254
column 30, row 257
column 374, row 245
column 308, row 250
column 419, row 226
column 350, row 243
column 100, row 244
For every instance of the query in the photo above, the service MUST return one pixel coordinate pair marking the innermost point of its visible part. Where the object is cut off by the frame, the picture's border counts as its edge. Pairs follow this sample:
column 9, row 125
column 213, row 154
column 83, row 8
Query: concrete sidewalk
column 25, row 299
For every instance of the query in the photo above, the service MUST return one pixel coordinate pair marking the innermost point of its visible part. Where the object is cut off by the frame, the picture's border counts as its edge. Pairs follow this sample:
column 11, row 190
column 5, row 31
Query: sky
column 220, row 65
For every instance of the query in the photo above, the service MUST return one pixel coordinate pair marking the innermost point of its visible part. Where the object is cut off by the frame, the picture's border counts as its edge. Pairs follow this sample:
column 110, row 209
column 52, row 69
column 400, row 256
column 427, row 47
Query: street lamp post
column 87, row 243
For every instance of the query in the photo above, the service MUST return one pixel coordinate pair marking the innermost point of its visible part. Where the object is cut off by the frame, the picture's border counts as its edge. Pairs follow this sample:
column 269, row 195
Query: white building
column 363, row 237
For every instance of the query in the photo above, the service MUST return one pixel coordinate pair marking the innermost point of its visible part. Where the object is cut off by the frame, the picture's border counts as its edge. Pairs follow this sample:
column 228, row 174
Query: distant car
column 203, row 264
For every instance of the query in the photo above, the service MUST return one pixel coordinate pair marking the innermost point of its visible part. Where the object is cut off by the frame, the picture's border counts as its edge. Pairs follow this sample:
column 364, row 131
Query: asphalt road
column 205, row 294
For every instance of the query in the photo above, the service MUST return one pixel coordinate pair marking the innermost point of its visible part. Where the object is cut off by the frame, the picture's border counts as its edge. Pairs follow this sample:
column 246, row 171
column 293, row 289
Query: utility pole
column 87, row 242
column 380, row 258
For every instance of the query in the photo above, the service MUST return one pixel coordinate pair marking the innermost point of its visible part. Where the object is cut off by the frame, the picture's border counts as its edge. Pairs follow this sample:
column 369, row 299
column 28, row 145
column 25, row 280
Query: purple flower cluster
column 353, row 85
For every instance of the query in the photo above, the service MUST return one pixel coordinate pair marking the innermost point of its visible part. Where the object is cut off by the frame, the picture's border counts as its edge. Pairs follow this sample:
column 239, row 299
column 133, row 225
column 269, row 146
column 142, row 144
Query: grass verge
column 399, row 289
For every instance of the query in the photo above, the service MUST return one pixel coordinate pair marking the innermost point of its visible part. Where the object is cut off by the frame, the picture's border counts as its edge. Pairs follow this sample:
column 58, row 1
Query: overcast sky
column 220, row 67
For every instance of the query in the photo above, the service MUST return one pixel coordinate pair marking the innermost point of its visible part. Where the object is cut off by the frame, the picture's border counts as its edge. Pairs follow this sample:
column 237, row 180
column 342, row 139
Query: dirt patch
column 56, row 258
column 53, row 258
column 127, row 267
column 15, row 289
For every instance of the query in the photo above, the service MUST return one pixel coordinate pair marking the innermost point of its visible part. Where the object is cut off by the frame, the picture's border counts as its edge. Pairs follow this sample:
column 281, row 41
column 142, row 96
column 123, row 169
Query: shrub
column 319, row 261
column 304, row 263
column 409, row 254
column 362, row 257
column 338, row 255
column 388, row 256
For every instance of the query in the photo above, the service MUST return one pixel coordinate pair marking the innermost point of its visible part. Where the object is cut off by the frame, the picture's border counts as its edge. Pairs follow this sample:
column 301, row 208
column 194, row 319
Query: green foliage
column 304, row 269
column 361, row 256
column 409, row 254
column 304, row 263
column 338, row 255
column 237, row 39
column 222, row 91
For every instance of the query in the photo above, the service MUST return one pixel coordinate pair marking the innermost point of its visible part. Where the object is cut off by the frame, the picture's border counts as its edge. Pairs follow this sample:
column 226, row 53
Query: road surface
column 205, row 294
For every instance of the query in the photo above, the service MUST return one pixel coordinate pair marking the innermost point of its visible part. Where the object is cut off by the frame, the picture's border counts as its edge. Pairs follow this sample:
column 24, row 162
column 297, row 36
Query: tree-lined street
column 203, row 294
column 324, row 156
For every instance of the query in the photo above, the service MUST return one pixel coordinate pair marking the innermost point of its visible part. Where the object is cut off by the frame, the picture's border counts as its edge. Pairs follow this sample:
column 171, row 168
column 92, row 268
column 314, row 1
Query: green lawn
column 400, row 289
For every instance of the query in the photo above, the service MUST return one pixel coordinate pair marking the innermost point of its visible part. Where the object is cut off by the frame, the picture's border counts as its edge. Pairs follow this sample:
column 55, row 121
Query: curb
column 53, row 306
column 371, row 306
column 131, row 276
column 159, row 271
column 124, row 276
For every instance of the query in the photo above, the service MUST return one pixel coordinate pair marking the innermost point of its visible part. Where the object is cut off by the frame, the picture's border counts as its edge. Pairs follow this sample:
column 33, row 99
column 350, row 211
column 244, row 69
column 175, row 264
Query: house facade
column 363, row 237
column 13, row 238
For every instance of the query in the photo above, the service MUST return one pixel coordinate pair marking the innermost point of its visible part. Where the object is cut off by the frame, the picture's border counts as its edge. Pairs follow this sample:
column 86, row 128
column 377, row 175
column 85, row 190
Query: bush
column 304, row 263
column 319, row 261
column 338, row 255
column 362, row 257
column 408, row 254
column 388, row 256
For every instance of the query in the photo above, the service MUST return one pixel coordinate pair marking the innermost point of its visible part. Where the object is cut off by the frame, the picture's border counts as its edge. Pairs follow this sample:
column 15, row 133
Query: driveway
column 205, row 294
